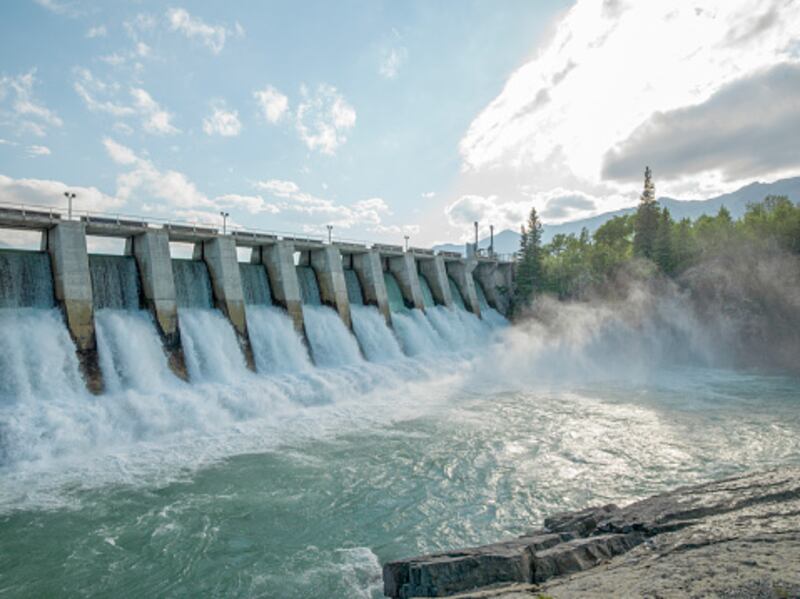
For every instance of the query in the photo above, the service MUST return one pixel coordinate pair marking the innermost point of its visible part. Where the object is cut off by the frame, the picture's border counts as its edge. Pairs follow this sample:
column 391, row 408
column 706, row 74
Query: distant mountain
column 736, row 202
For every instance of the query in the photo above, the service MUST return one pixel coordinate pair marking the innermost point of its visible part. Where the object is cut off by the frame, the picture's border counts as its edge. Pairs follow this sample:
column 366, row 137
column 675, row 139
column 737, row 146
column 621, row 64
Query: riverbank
column 738, row 537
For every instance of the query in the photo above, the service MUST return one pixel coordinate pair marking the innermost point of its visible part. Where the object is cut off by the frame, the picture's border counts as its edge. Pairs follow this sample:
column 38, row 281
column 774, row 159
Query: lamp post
column 330, row 230
column 70, row 196
column 406, row 238
column 476, row 238
column 224, row 216
column 491, row 240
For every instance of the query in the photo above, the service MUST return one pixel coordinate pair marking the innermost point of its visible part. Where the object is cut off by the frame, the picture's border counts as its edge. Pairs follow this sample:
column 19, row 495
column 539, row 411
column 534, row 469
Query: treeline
column 571, row 266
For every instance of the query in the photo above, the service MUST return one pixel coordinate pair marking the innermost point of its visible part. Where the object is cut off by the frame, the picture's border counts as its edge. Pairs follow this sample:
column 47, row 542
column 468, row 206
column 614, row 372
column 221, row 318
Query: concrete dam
column 112, row 322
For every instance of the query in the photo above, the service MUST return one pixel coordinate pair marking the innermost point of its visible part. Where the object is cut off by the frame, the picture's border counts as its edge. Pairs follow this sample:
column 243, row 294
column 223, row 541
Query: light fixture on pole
column 476, row 238
column 330, row 230
column 491, row 240
column 224, row 216
column 406, row 238
column 70, row 196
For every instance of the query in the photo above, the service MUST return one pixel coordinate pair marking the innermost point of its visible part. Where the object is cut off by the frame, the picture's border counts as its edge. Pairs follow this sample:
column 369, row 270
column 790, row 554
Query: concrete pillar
column 461, row 271
column 327, row 264
column 436, row 274
column 404, row 269
column 66, row 244
column 493, row 279
column 219, row 254
column 373, row 285
column 151, row 251
column 279, row 260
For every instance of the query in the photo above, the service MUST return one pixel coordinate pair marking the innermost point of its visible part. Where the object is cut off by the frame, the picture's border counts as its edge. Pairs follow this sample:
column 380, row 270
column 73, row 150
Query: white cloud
column 428, row 195
column 44, row 192
column 58, row 8
column 25, row 111
column 609, row 67
column 100, row 96
column 324, row 118
column 213, row 36
column 313, row 213
column 222, row 122
column 38, row 151
column 391, row 62
column 119, row 153
column 154, row 118
column 273, row 104
column 98, row 31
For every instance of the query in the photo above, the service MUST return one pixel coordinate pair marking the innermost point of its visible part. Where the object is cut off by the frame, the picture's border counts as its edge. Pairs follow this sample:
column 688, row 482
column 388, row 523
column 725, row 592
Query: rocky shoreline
column 738, row 537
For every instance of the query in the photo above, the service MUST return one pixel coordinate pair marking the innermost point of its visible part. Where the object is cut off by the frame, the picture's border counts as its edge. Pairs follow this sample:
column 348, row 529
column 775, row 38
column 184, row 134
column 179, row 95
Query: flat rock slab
column 738, row 537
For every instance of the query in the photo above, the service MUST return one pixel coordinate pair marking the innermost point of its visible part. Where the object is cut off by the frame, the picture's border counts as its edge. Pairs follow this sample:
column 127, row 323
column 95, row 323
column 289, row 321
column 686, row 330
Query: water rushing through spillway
column 115, row 282
column 300, row 479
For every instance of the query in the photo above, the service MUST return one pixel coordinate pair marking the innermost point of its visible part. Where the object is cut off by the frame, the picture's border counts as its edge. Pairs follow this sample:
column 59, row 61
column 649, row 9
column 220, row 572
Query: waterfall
column 427, row 294
column 309, row 288
column 277, row 347
column 354, row 292
column 210, row 346
column 37, row 356
column 255, row 284
column 331, row 343
column 396, row 301
column 416, row 334
column 489, row 314
column 458, row 299
column 130, row 350
column 375, row 338
column 26, row 280
column 459, row 329
column 115, row 282
column 192, row 284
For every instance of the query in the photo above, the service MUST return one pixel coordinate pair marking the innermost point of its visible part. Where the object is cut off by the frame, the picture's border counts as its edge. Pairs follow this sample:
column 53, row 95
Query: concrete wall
column 461, row 271
column 496, row 281
column 373, row 286
column 404, row 268
column 151, row 251
column 436, row 274
column 66, row 244
column 219, row 254
column 327, row 264
column 279, row 260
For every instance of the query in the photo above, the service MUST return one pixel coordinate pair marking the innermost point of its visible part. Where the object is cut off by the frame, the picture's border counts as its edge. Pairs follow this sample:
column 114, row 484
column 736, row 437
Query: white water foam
column 210, row 346
column 277, row 347
column 376, row 340
column 130, row 351
column 416, row 334
column 331, row 343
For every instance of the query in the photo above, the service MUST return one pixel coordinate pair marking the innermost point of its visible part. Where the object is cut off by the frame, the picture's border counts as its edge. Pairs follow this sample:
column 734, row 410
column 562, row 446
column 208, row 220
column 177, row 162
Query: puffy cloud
column 98, row 31
column 324, row 118
column 391, row 62
column 222, row 122
column 273, row 104
column 312, row 213
column 611, row 76
column 212, row 36
column 38, row 151
column 100, row 96
column 748, row 128
column 45, row 192
column 24, row 110
column 154, row 119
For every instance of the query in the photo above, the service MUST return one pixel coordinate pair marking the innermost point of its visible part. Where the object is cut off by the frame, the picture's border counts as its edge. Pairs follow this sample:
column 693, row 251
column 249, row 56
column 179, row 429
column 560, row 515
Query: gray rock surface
column 738, row 537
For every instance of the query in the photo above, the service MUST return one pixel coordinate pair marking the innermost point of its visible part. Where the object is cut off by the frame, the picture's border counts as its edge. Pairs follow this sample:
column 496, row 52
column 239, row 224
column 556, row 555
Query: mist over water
column 300, row 477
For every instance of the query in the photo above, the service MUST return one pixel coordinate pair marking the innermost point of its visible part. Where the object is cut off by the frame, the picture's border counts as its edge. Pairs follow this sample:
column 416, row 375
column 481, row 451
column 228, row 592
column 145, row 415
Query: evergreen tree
column 647, row 220
column 529, row 268
column 663, row 250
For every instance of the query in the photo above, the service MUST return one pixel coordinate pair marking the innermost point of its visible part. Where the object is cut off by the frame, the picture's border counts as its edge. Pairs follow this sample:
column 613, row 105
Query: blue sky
column 392, row 118
column 409, row 78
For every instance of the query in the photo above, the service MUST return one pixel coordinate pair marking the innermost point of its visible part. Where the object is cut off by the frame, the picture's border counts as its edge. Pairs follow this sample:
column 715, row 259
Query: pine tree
column 647, row 220
column 529, row 268
column 663, row 253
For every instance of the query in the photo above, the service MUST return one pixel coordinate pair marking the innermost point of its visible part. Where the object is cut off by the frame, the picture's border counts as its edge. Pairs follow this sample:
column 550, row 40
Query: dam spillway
column 127, row 317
